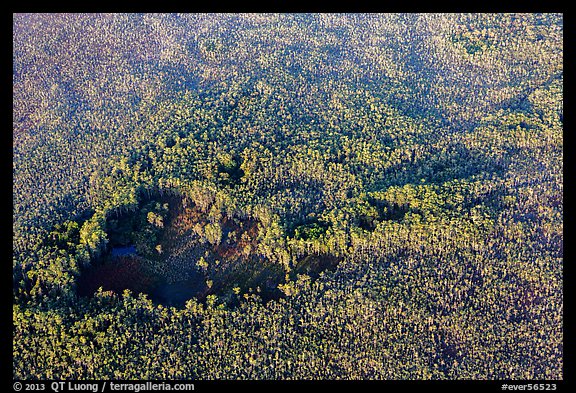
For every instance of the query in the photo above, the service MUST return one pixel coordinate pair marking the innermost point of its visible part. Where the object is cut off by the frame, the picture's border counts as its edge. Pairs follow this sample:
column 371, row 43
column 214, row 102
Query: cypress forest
column 288, row 196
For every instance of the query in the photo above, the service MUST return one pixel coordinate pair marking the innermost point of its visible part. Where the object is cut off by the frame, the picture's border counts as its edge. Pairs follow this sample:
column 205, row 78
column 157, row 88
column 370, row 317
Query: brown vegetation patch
column 118, row 274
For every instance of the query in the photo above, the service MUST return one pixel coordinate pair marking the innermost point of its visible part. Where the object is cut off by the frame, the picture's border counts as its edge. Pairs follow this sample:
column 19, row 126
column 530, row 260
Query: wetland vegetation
column 288, row 196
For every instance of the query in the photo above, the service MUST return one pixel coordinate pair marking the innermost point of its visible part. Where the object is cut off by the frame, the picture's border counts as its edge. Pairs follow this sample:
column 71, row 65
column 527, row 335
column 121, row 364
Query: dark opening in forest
column 173, row 251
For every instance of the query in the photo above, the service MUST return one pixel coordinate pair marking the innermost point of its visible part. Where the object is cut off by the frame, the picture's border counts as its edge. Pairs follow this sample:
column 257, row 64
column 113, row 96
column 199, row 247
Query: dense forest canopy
column 288, row 196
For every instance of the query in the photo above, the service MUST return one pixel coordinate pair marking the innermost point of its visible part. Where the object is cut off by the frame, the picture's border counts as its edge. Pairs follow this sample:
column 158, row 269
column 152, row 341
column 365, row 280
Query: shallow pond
column 123, row 251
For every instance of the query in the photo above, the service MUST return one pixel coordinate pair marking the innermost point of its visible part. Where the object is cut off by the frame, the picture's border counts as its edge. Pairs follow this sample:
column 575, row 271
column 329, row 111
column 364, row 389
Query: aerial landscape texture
column 288, row 196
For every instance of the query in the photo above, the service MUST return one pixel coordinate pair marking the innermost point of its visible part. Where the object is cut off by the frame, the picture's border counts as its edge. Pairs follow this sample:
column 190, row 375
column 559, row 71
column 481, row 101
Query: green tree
column 213, row 233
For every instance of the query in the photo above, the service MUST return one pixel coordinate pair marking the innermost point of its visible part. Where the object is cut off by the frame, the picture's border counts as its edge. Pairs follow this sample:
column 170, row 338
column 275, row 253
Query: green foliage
column 213, row 233
column 93, row 236
column 309, row 231
column 64, row 236
column 355, row 196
